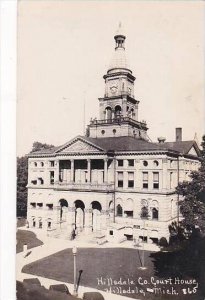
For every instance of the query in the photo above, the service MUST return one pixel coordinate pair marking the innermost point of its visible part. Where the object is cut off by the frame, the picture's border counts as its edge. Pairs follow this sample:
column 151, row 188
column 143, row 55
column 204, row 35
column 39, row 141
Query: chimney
column 161, row 139
column 178, row 134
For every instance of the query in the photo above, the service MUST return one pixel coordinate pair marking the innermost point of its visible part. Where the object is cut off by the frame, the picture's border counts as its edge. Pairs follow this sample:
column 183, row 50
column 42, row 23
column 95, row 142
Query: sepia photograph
column 110, row 150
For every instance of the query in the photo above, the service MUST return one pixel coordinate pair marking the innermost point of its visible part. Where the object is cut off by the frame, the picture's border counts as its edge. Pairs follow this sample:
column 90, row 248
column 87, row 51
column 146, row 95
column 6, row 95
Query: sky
column 65, row 47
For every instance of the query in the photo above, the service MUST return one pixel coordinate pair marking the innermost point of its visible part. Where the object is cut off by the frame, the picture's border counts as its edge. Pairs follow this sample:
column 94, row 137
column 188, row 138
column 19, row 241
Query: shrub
column 163, row 242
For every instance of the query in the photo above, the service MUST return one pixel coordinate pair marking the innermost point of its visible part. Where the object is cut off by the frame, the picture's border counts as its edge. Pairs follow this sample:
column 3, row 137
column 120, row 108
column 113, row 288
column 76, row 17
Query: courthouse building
column 112, row 184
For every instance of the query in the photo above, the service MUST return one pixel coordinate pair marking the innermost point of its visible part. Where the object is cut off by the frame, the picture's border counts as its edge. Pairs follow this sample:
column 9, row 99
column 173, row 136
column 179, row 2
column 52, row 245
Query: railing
column 118, row 119
column 84, row 186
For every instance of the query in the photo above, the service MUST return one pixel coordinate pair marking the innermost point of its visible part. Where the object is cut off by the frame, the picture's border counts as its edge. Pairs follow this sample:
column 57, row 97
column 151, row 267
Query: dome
column 119, row 61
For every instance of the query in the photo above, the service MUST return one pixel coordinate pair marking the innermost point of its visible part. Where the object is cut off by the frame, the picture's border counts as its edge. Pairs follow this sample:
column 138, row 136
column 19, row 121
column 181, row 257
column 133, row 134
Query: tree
column 39, row 146
column 22, row 178
column 192, row 206
column 22, row 175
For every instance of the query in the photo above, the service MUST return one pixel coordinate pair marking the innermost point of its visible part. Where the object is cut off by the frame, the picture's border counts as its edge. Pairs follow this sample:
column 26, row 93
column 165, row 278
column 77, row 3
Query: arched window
column 144, row 212
column 132, row 113
column 155, row 214
column 119, row 210
column 117, row 111
column 108, row 113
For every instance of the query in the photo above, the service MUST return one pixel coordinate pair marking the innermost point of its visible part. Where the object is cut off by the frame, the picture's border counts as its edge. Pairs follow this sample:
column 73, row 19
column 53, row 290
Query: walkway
column 53, row 245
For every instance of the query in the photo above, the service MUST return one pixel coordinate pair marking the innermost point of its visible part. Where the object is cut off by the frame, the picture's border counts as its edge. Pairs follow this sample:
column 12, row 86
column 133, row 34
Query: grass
column 26, row 237
column 94, row 264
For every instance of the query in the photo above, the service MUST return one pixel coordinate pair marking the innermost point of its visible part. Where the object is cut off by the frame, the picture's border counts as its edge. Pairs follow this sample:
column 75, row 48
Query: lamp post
column 143, row 267
column 145, row 216
column 74, row 271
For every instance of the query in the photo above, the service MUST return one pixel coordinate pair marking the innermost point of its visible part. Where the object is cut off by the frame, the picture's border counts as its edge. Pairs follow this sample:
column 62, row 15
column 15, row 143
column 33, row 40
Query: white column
column 88, row 220
column 104, row 219
column 105, row 170
column 72, row 170
column 56, row 173
column 89, row 170
column 71, row 217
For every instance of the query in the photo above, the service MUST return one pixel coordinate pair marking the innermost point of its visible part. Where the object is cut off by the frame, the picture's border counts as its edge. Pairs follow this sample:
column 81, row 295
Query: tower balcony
column 119, row 120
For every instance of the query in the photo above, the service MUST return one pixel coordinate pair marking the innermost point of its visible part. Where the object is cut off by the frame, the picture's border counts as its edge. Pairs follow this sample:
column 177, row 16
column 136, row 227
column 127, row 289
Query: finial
column 119, row 28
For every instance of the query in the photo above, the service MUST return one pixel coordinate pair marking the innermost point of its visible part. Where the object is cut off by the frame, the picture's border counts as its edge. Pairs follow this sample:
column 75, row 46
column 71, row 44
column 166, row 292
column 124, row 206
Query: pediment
column 79, row 146
column 192, row 151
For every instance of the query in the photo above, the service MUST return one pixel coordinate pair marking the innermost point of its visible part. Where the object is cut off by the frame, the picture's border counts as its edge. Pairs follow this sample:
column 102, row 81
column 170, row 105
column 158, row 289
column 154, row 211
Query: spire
column 119, row 60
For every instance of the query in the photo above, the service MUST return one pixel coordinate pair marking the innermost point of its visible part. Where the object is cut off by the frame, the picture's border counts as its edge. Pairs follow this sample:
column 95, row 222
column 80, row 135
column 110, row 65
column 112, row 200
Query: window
column 143, row 238
column 42, row 164
column 171, row 180
column 145, row 180
column 35, row 164
column 40, row 180
column 114, row 131
column 120, row 179
column 119, row 210
column 145, row 163
column 33, row 205
column 50, row 206
column 120, row 162
column 52, row 163
column 51, row 177
column 144, row 212
column 130, row 179
column 129, row 213
column 39, row 205
column 40, row 224
column 155, row 180
column 49, row 224
column 156, row 163
column 111, row 232
column 131, row 162
column 155, row 214
column 34, row 182
column 103, row 132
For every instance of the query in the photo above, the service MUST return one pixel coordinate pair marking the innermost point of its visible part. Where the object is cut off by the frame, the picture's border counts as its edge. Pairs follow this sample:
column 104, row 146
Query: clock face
column 113, row 89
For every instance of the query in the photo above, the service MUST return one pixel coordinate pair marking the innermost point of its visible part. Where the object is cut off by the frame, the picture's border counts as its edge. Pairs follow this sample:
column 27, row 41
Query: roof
column 183, row 147
column 123, row 144
column 119, row 60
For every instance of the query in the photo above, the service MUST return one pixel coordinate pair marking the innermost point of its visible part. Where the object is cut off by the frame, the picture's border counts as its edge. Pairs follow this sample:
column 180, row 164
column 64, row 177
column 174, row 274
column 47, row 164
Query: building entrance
column 96, row 216
column 79, row 215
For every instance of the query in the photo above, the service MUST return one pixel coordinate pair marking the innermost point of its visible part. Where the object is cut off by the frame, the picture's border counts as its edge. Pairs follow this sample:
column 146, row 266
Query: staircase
column 61, row 233
column 94, row 238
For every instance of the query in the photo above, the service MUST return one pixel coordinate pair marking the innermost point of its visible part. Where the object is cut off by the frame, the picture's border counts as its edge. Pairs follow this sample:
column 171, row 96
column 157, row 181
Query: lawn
column 95, row 267
column 26, row 237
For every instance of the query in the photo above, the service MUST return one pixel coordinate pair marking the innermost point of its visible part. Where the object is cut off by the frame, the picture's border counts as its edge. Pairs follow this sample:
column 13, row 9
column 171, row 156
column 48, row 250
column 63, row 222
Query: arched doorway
column 63, row 209
column 96, row 216
column 79, row 215
column 111, row 212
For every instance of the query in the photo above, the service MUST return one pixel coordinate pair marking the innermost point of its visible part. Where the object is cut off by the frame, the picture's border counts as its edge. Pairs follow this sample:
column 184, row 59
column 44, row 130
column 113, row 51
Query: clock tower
column 118, row 107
